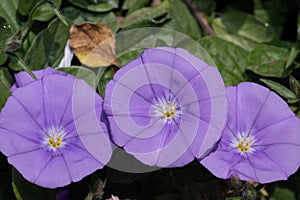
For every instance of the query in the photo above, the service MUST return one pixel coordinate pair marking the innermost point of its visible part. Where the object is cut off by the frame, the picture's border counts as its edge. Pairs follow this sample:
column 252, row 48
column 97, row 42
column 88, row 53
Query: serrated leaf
column 8, row 10
column 268, row 60
column 242, row 29
column 5, row 85
column 187, row 24
column 230, row 59
column 29, row 191
column 97, row 5
column 47, row 49
column 280, row 89
column 147, row 13
column 80, row 16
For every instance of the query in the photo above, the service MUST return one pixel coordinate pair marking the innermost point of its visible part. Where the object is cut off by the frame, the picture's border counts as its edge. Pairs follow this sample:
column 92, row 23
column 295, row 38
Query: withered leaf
column 93, row 44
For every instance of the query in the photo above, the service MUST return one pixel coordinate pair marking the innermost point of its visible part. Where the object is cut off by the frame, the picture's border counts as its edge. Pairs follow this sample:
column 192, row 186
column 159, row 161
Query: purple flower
column 23, row 78
column 166, row 107
column 261, row 141
column 50, row 129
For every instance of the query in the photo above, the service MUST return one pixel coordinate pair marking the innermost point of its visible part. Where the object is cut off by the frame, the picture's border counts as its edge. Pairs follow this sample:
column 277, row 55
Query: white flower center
column 167, row 110
column 243, row 143
column 55, row 139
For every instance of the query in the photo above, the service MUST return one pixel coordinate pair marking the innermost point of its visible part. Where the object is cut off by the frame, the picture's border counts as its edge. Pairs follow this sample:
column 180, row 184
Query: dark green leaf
column 20, row 63
column 230, row 59
column 280, row 89
column 105, row 78
column 132, row 5
column 268, row 60
column 81, row 73
column 97, row 5
column 5, row 85
column 187, row 24
column 29, row 191
column 293, row 54
column 282, row 193
column 295, row 85
column 5, row 33
column 206, row 6
column 42, row 13
column 272, row 14
column 242, row 29
column 148, row 13
column 8, row 10
column 48, row 47
column 149, row 37
column 292, row 101
column 80, row 16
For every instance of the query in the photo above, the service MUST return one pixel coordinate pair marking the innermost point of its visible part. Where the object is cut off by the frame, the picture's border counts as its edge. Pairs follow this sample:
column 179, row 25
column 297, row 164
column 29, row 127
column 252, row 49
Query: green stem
column 58, row 13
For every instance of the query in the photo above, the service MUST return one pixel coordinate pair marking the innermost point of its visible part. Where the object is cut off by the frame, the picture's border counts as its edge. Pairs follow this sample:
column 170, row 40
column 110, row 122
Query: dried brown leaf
column 93, row 44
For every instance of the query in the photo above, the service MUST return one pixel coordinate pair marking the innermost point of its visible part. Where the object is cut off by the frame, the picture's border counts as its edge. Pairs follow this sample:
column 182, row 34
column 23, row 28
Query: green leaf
column 80, row 16
column 48, row 47
column 148, row 14
column 294, row 85
column 242, row 29
column 282, row 193
column 280, row 89
column 42, row 13
column 149, row 37
column 29, row 191
column 105, row 78
column 97, row 5
column 268, row 60
column 272, row 13
column 5, row 85
column 187, row 24
column 132, row 5
column 292, row 55
column 5, row 33
column 81, row 73
column 206, row 6
column 230, row 59
column 8, row 10
column 16, row 191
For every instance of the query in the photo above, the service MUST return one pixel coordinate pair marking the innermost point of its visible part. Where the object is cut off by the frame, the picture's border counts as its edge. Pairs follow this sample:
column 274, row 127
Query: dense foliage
column 250, row 40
